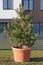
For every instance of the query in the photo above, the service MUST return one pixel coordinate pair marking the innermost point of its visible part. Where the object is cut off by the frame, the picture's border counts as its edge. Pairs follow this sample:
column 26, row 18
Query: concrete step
column 38, row 45
column 4, row 43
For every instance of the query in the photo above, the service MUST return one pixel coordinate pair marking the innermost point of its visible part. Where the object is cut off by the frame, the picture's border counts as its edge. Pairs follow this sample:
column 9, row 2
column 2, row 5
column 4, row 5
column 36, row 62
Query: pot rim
column 20, row 48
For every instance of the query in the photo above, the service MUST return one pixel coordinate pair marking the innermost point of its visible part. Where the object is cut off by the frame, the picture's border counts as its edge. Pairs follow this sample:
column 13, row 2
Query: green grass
column 36, row 58
column 27, row 63
column 34, row 53
column 37, row 53
column 6, row 55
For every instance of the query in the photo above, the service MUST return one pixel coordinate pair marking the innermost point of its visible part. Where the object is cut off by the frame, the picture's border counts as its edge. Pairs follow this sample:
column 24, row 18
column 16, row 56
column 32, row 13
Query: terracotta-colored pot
column 21, row 55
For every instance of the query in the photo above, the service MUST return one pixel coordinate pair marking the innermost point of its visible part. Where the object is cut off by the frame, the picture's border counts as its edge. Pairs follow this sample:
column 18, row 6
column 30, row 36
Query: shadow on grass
column 31, row 60
column 36, row 59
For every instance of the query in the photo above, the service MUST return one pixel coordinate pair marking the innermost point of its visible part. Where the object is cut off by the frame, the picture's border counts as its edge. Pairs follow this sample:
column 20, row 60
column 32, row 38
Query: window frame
column 39, row 32
column 41, row 24
column 7, row 8
column 28, row 5
column 3, row 24
column 41, row 5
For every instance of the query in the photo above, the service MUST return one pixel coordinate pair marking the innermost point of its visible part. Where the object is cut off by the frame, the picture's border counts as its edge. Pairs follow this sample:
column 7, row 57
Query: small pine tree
column 20, row 29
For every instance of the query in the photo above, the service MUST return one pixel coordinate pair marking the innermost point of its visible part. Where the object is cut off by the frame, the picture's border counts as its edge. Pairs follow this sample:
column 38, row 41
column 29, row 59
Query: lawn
column 6, row 58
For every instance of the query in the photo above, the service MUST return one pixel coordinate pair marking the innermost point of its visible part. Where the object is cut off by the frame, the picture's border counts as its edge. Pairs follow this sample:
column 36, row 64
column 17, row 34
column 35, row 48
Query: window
column 41, row 30
column 38, row 28
column 7, row 4
column 2, row 25
column 41, row 4
column 35, row 28
column 28, row 4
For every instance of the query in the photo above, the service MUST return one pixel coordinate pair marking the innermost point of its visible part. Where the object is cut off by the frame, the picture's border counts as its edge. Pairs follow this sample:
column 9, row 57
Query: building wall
column 37, row 13
column 8, row 14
